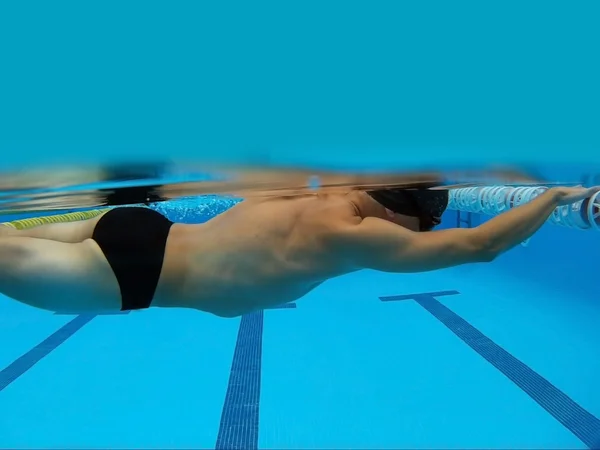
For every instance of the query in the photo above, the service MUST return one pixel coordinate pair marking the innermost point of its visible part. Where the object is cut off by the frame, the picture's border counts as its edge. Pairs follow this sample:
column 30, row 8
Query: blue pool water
column 500, row 355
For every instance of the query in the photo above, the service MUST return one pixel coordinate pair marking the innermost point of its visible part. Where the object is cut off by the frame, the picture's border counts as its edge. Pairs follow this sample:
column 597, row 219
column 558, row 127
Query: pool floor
column 461, row 358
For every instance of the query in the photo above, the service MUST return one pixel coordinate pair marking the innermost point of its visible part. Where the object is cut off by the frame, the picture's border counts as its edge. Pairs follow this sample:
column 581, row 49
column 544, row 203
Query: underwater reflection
column 60, row 188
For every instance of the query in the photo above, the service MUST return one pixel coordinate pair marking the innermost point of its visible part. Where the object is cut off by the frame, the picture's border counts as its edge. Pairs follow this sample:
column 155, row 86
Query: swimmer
column 258, row 254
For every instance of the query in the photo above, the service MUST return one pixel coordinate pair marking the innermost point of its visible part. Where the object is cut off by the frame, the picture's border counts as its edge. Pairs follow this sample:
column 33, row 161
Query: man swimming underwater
column 258, row 254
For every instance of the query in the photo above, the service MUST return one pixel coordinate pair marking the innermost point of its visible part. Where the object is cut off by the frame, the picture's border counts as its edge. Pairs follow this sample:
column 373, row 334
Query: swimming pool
column 488, row 356
column 503, row 355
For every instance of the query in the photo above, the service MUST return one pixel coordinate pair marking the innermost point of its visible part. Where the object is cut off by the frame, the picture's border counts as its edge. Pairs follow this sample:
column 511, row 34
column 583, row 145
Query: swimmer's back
column 255, row 255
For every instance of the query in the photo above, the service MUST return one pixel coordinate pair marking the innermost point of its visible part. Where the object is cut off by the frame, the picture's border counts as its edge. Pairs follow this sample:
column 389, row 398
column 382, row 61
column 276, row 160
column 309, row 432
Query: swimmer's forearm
column 509, row 229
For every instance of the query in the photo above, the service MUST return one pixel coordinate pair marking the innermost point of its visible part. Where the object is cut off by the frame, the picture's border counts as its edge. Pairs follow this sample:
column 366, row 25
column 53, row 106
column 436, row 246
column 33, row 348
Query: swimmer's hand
column 569, row 195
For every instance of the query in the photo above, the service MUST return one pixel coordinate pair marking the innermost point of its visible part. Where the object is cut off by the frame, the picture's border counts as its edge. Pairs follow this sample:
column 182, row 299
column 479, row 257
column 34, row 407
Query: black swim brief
column 133, row 240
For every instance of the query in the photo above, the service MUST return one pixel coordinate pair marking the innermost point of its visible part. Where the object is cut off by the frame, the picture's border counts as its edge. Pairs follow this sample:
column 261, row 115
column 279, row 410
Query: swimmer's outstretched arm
column 381, row 245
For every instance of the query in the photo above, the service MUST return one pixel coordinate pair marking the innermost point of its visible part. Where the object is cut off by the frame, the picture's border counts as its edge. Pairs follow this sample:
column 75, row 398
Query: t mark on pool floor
column 559, row 405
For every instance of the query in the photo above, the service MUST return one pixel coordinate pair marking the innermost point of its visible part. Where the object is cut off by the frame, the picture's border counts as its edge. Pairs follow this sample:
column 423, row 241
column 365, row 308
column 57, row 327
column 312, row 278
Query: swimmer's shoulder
column 328, row 208
column 329, row 213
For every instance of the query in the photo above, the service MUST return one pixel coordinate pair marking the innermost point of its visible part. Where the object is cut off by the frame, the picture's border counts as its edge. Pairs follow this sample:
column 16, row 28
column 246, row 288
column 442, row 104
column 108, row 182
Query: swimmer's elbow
column 485, row 255
column 480, row 247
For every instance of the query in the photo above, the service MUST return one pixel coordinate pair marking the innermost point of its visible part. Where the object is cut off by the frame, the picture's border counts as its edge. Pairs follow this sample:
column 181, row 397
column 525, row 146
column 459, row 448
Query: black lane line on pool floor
column 239, row 418
column 559, row 405
column 33, row 356
column 25, row 362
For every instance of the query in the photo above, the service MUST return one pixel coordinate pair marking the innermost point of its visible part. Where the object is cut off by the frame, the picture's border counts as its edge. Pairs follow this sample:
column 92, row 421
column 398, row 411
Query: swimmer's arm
column 381, row 245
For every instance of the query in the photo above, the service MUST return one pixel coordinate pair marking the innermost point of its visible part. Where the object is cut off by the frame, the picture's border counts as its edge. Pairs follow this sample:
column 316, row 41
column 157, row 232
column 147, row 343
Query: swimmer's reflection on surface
column 156, row 182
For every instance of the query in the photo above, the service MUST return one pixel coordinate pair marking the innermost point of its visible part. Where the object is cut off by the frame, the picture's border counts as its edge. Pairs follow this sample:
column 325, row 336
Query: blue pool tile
column 576, row 419
column 33, row 356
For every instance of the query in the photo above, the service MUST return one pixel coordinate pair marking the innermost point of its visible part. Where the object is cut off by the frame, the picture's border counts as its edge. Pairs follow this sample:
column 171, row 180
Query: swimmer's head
column 424, row 205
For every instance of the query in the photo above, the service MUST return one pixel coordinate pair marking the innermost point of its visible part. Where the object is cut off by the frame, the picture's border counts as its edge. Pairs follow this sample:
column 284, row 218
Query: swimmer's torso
column 256, row 255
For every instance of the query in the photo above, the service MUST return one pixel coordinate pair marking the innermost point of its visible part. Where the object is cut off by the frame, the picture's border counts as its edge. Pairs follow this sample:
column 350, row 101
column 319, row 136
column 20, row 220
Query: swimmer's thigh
column 58, row 276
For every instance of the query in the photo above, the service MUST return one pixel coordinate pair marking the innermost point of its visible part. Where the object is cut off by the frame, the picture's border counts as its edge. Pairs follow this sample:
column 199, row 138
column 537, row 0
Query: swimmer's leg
column 71, row 232
column 58, row 276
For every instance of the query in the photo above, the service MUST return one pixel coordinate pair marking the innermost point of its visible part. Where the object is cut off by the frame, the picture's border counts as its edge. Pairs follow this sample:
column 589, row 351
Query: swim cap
column 428, row 205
